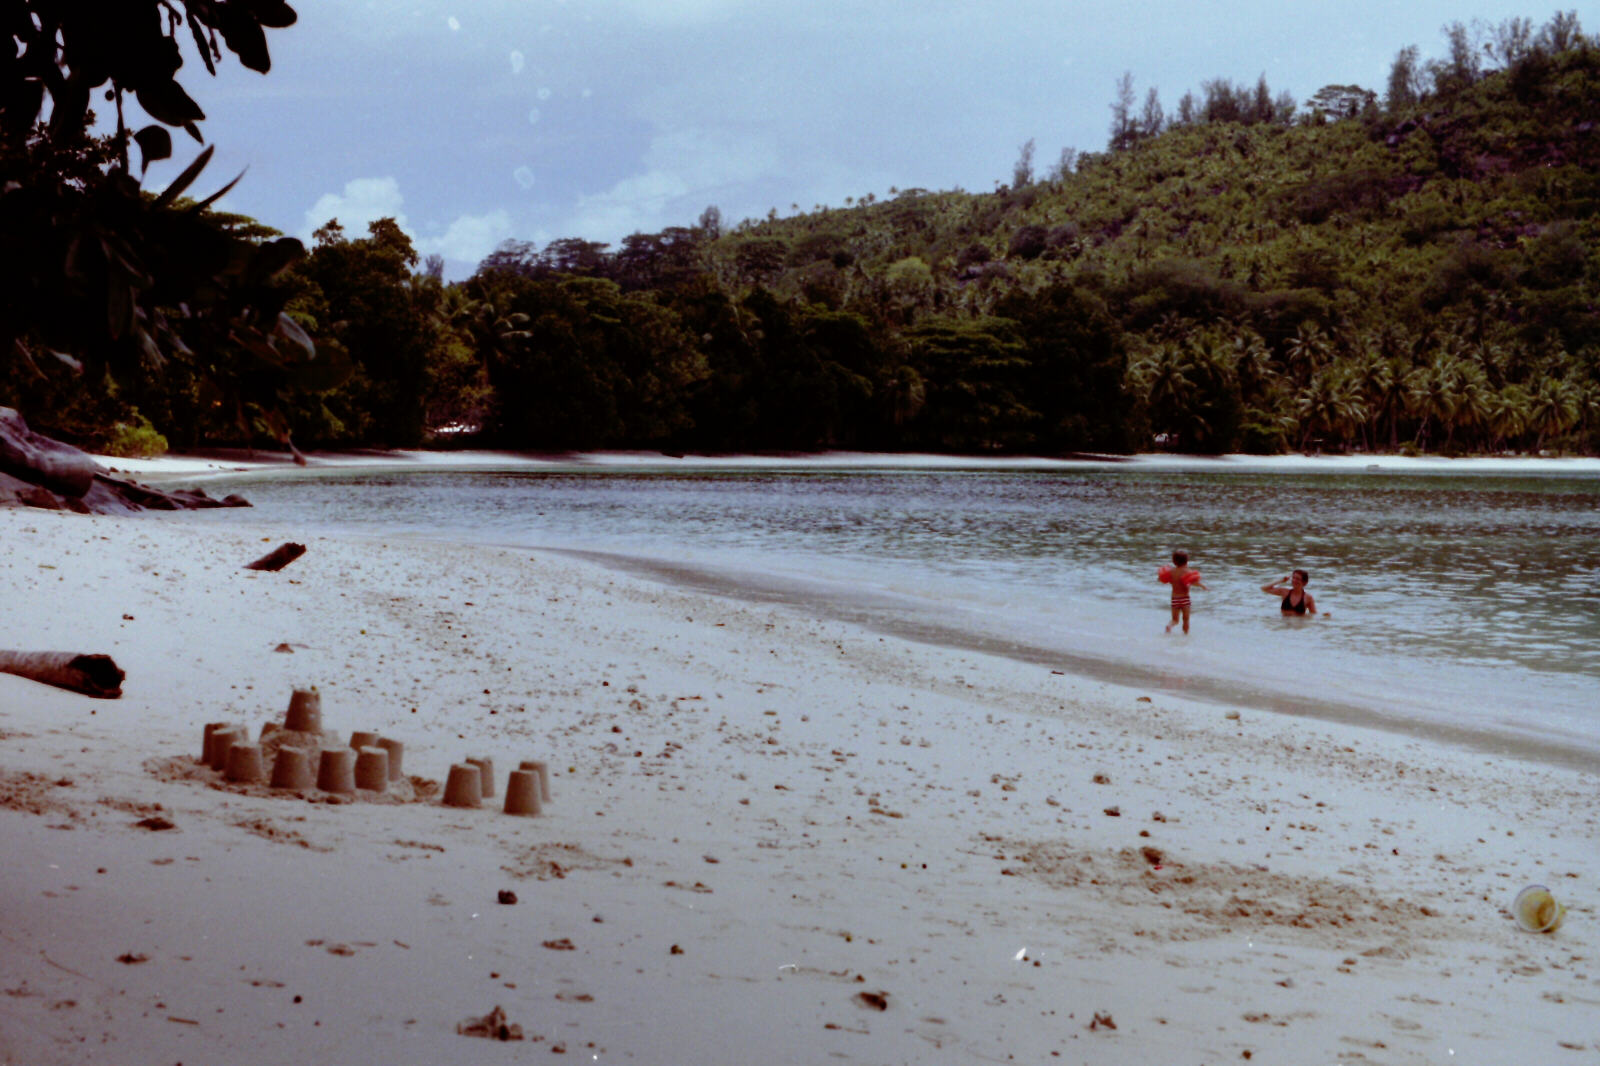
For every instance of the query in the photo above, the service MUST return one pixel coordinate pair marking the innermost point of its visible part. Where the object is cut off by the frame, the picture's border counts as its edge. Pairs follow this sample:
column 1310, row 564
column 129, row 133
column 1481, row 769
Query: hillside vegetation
column 1419, row 270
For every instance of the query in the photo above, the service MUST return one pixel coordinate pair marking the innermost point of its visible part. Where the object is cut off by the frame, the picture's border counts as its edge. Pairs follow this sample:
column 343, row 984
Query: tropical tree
column 1553, row 408
column 1507, row 415
column 100, row 278
column 1432, row 395
column 1161, row 378
column 1309, row 348
column 1329, row 404
column 1374, row 379
column 974, row 377
column 1474, row 400
column 386, row 319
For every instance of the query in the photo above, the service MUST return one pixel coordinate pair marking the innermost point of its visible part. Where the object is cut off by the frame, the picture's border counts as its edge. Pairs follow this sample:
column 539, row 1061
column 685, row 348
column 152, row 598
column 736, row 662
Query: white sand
column 181, row 467
column 805, row 811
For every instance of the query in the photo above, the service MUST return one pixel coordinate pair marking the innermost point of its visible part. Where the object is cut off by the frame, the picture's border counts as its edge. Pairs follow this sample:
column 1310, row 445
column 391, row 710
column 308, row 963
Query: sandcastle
column 305, row 759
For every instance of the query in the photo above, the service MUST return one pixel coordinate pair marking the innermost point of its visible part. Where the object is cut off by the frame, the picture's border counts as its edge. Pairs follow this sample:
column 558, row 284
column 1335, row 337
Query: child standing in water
column 1180, row 577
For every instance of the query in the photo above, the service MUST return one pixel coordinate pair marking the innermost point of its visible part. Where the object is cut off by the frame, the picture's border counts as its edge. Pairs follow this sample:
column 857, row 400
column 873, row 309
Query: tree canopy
column 1415, row 269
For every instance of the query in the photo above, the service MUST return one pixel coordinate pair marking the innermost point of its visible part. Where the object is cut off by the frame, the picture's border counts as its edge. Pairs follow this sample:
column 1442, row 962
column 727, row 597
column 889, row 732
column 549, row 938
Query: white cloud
column 470, row 237
column 466, row 240
column 684, row 170
column 363, row 200
column 706, row 158
column 638, row 204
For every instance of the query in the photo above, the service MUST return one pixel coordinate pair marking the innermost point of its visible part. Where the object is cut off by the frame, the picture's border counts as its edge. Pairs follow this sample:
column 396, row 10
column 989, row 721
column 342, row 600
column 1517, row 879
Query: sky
column 477, row 121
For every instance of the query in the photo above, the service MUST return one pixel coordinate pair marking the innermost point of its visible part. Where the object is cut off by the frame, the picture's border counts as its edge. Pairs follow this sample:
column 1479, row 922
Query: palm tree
column 1507, row 414
column 1432, row 393
column 1309, row 348
column 1373, row 378
column 1163, row 379
column 1252, row 362
column 1552, row 409
column 494, row 333
column 1331, row 403
column 1474, row 398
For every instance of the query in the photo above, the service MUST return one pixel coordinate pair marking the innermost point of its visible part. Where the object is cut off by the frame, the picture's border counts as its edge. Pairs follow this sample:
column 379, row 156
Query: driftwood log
column 278, row 557
column 92, row 675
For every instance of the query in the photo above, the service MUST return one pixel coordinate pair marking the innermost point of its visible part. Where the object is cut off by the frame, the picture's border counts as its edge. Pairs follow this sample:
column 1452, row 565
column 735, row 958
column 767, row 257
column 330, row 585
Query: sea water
column 1461, row 605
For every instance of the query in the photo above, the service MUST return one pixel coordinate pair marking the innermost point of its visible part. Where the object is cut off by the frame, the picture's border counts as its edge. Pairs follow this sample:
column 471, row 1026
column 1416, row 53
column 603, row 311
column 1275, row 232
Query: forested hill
column 1427, row 272
column 1416, row 269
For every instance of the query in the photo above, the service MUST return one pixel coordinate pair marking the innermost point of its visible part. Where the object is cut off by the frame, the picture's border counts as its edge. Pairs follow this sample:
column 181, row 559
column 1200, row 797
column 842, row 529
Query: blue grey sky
column 475, row 121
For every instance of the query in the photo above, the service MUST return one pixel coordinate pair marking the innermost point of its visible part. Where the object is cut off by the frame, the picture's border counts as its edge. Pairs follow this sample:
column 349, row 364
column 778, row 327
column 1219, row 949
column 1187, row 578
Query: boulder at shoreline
column 37, row 471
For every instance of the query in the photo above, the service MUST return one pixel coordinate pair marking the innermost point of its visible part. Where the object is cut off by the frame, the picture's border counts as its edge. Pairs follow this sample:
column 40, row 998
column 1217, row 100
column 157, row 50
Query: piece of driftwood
column 278, row 557
column 92, row 675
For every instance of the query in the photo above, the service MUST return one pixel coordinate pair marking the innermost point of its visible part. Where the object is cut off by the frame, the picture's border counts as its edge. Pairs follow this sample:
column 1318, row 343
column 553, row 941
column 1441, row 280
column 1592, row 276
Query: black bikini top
column 1297, row 608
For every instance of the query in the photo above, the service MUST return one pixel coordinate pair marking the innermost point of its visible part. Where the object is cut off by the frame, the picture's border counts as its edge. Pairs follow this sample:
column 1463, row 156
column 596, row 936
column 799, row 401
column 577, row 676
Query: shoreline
column 222, row 464
column 772, row 834
column 1571, row 750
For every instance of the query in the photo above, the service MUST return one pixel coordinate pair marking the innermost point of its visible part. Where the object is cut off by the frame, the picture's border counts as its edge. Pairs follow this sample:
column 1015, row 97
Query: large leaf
column 292, row 339
column 184, row 180
column 167, row 102
column 273, row 14
column 154, row 143
column 245, row 37
column 219, row 194
column 202, row 42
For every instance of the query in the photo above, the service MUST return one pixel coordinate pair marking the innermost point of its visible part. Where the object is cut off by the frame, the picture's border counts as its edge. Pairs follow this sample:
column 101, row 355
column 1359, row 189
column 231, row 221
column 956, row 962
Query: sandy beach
column 772, row 838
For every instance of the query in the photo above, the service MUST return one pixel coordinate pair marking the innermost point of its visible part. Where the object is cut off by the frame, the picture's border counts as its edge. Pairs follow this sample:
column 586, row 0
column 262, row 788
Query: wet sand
column 773, row 837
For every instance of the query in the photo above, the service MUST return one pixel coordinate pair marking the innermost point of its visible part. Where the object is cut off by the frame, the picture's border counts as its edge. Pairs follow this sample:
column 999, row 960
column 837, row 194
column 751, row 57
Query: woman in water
column 1296, row 600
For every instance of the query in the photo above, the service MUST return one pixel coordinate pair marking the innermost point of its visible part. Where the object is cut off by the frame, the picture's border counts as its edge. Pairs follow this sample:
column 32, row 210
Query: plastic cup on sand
column 1537, row 911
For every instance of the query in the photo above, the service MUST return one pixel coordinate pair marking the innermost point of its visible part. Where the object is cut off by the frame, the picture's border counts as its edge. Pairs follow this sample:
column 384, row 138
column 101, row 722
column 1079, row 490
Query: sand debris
column 492, row 1026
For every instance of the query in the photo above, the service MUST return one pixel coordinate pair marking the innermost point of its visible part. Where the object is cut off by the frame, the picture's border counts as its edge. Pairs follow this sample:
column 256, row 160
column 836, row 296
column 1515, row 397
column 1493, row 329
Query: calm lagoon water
column 1459, row 604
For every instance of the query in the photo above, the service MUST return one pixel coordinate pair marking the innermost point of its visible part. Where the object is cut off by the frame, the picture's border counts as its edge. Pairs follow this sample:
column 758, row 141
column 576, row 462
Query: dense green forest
column 1411, row 268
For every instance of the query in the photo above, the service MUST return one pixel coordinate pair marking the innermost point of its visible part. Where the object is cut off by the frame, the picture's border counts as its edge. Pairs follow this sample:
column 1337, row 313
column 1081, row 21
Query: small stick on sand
column 92, row 675
column 278, row 558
